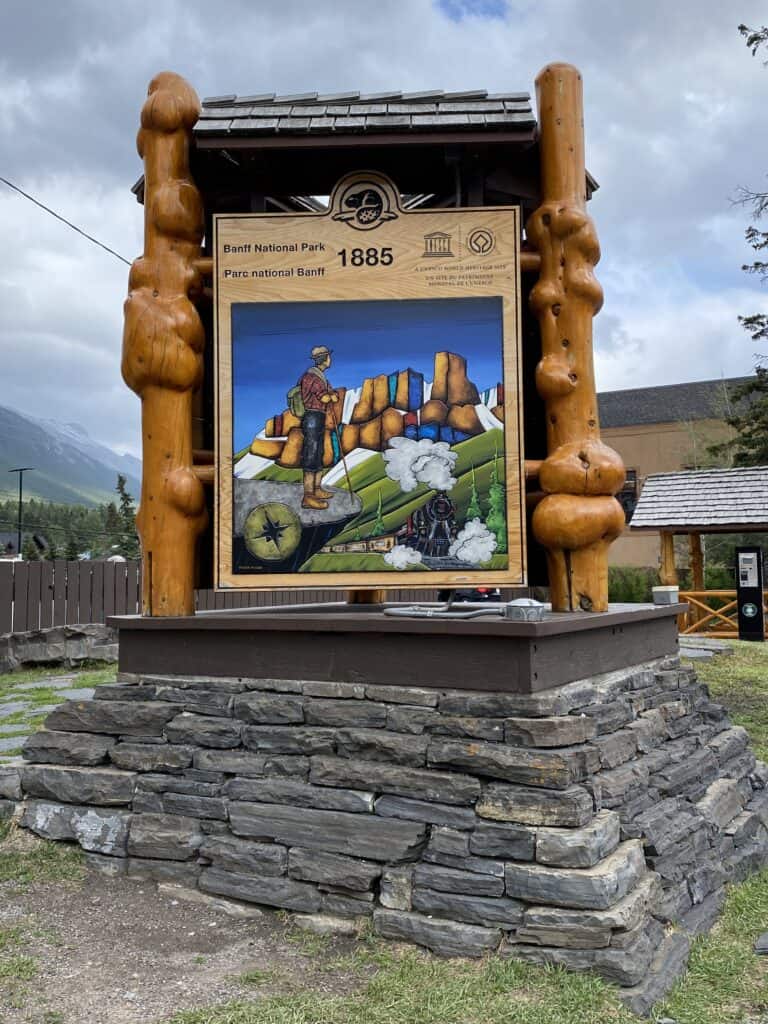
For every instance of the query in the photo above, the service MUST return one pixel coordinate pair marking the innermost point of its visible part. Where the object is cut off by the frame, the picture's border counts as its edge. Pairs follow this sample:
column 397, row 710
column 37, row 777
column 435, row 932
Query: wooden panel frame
column 500, row 270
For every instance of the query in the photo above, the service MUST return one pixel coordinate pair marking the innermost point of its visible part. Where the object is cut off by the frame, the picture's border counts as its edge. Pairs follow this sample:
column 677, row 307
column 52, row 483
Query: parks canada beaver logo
column 364, row 205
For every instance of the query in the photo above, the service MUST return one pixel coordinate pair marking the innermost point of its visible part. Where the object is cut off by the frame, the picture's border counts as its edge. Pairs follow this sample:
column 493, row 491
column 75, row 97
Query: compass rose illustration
column 272, row 531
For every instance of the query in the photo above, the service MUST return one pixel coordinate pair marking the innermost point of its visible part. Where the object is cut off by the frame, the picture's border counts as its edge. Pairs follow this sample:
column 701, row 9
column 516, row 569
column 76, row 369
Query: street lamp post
column 21, row 470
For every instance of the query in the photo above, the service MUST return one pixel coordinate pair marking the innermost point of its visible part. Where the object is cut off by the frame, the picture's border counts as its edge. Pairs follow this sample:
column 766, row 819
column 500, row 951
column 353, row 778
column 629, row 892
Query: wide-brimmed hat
column 319, row 351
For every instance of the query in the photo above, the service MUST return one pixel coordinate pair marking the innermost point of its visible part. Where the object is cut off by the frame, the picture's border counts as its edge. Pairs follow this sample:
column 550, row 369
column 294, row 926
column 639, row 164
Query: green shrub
column 628, row 584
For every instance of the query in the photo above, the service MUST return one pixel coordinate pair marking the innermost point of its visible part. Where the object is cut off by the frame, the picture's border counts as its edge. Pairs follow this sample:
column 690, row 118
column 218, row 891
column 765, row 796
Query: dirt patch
column 117, row 951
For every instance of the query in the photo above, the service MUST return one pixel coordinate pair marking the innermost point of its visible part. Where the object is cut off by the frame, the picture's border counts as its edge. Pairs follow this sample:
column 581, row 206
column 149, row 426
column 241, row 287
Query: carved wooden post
column 667, row 570
column 162, row 348
column 697, row 571
column 579, row 517
column 697, row 561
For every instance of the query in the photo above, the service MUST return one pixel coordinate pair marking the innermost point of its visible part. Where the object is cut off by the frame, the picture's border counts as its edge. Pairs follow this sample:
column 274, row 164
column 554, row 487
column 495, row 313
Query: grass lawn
column 91, row 674
column 19, row 686
column 741, row 683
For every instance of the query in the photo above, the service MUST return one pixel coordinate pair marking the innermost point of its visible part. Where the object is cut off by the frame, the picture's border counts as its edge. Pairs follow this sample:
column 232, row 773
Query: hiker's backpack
column 295, row 401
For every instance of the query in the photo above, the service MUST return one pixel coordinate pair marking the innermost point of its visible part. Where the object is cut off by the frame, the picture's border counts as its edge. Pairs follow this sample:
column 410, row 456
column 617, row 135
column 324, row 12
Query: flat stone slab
column 76, row 785
column 666, row 967
column 358, row 835
column 594, row 888
column 579, row 847
column 6, row 710
column 272, row 892
column 50, row 683
column 68, row 748
column 12, row 743
column 625, row 915
column 446, row 938
column 525, row 805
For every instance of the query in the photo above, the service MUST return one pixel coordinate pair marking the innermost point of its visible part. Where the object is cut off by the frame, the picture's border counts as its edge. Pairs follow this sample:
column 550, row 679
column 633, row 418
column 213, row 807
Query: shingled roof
column 353, row 112
column 704, row 500
column 670, row 403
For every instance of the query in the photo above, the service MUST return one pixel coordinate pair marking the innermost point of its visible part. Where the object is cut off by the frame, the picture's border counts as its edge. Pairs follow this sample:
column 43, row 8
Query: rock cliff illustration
column 413, row 471
column 389, row 405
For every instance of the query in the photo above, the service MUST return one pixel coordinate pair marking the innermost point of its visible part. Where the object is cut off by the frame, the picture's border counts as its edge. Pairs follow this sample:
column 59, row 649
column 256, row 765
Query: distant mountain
column 70, row 467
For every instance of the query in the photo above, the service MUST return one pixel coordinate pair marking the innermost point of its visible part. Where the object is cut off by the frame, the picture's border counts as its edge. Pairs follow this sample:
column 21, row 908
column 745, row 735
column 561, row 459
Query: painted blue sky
column 272, row 341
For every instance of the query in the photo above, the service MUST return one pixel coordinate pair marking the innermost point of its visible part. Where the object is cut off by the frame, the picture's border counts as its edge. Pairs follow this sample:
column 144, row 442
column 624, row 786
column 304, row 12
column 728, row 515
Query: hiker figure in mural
column 316, row 394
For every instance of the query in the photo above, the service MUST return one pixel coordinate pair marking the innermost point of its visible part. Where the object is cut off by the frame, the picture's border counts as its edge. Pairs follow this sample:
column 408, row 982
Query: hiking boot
column 310, row 501
column 320, row 493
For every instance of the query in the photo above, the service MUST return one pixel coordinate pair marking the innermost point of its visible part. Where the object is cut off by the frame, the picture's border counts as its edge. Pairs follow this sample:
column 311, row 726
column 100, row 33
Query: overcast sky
column 675, row 121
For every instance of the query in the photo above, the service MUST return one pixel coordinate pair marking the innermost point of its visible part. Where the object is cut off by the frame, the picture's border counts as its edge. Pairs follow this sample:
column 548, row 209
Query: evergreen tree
column 750, row 419
column 497, row 512
column 52, row 552
column 129, row 539
column 29, row 550
column 473, row 509
column 71, row 550
column 379, row 529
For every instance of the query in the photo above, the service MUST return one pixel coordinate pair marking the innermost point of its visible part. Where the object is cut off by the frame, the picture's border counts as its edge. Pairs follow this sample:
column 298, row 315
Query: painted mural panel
column 369, row 413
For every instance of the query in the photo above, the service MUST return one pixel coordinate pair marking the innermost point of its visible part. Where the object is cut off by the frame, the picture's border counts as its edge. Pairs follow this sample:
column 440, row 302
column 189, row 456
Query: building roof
column 670, row 403
column 704, row 501
column 351, row 112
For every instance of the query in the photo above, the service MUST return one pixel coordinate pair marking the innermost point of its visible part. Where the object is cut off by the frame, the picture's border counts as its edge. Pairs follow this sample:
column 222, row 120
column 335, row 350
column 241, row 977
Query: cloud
column 458, row 10
column 674, row 116
column 474, row 544
column 410, row 463
column 401, row 557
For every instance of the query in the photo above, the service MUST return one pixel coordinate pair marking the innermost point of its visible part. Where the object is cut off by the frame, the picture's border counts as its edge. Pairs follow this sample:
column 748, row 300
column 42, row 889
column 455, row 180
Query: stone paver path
column 18, row 703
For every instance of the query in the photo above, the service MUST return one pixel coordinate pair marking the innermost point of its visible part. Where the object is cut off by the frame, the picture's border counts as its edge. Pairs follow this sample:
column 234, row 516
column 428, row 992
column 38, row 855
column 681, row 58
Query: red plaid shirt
column 313, row 387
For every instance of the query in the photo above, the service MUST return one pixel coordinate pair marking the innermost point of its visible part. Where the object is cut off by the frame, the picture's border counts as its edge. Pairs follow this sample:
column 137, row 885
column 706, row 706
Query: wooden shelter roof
column 704, row 501
column 353, row 113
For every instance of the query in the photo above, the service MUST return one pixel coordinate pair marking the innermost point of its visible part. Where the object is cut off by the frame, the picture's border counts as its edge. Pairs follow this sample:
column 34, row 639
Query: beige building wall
column 658, row 448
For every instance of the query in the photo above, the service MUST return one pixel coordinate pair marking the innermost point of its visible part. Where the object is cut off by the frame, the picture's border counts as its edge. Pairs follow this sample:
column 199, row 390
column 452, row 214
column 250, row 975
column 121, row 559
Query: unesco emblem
column 437, row 244
column 481, row 241
column 364, row 204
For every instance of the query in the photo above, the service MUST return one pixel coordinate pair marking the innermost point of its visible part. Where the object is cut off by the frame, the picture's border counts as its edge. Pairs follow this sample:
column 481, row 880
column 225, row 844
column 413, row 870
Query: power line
column 63, row 220
column 85, row 532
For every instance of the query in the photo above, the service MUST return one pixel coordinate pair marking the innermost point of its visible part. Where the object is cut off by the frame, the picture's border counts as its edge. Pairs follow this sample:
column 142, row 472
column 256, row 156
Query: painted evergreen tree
column 473, row 509
column 379, row 529
column 497, row 512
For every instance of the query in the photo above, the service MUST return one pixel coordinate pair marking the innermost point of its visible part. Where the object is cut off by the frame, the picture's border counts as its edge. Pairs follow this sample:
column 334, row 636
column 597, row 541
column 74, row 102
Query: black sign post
column 749, row 593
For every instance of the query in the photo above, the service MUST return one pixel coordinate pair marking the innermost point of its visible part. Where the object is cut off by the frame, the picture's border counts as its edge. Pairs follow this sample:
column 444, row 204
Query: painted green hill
column 369, row 479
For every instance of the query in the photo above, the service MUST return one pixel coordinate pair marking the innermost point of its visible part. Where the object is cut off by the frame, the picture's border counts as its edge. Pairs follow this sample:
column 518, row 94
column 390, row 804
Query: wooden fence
column 35, row 595
column 713, row 613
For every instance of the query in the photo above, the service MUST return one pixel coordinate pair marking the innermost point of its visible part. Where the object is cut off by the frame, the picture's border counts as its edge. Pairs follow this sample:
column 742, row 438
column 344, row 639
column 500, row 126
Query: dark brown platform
column 342, row 643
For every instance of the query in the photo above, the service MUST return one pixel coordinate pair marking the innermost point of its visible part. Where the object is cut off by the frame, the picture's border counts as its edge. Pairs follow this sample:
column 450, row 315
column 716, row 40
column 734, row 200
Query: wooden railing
column 713, row 613
column 36, row 595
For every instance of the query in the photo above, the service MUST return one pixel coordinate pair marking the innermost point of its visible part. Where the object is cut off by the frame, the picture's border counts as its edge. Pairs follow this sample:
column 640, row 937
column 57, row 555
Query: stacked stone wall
column 593, row 825
column 67, row 645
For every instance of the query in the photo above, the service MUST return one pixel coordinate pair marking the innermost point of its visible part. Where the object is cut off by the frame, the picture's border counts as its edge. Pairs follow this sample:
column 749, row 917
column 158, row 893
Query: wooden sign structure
column 575, row 516
column 397, row 458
